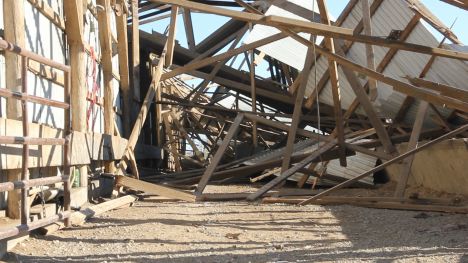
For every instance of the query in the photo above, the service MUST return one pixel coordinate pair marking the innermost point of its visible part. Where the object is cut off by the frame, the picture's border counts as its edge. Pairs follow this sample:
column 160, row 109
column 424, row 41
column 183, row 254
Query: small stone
column 279, row 246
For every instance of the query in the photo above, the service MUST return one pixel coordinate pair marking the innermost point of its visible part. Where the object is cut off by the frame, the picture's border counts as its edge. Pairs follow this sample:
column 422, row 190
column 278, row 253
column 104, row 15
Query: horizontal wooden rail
column 31, row 141
column 9, row 186
column 31, row 98
column 14, row 231
column 25, row 53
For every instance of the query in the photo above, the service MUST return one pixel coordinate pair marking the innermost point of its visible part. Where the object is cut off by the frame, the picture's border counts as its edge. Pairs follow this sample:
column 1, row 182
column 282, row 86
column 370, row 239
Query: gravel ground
column 242, row 232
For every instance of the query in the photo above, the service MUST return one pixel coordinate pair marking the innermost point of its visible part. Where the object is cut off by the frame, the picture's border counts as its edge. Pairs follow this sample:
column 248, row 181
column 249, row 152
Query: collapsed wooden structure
column 333, row 112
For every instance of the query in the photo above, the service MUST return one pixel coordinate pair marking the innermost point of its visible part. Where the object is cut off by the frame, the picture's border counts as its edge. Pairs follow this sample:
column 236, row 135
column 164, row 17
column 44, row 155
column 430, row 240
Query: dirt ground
column 242, row 232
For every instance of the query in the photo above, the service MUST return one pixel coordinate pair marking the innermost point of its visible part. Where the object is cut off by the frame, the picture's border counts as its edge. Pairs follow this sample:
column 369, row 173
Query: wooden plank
column 333, row 69
column 412, row 144
column 122, row 46
column 219, row 154
column 155, row 189
column 366, row 19
column 389, row 162
column 187, row 15
column 135, row 51
column 171, row 37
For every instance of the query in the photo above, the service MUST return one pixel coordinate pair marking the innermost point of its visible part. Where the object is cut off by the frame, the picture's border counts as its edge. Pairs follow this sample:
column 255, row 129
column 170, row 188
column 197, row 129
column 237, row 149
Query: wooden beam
column 135, row 51
column 457, row 3
column 105, row 40
column 382, row 166
column 189, row 29
column 443, row 89
column 122, row 46
column 366, row 19
column 14, row 32
column 74, row 25
column 219, row 154
column 172, row 35
column 155, row 189
column 333, row 69
column 346, row 47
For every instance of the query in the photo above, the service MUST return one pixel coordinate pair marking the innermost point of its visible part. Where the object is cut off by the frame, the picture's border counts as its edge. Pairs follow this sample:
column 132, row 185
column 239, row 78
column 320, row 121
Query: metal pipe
column 10, row 186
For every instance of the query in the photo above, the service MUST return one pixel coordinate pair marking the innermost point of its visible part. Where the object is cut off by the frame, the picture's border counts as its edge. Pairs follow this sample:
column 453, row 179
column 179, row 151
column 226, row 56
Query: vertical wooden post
column 171, row 36
column 122, row 45
column 135, row 51
column 105, row 40
column 74, row 11
column 13, row 11
column 366, row 19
